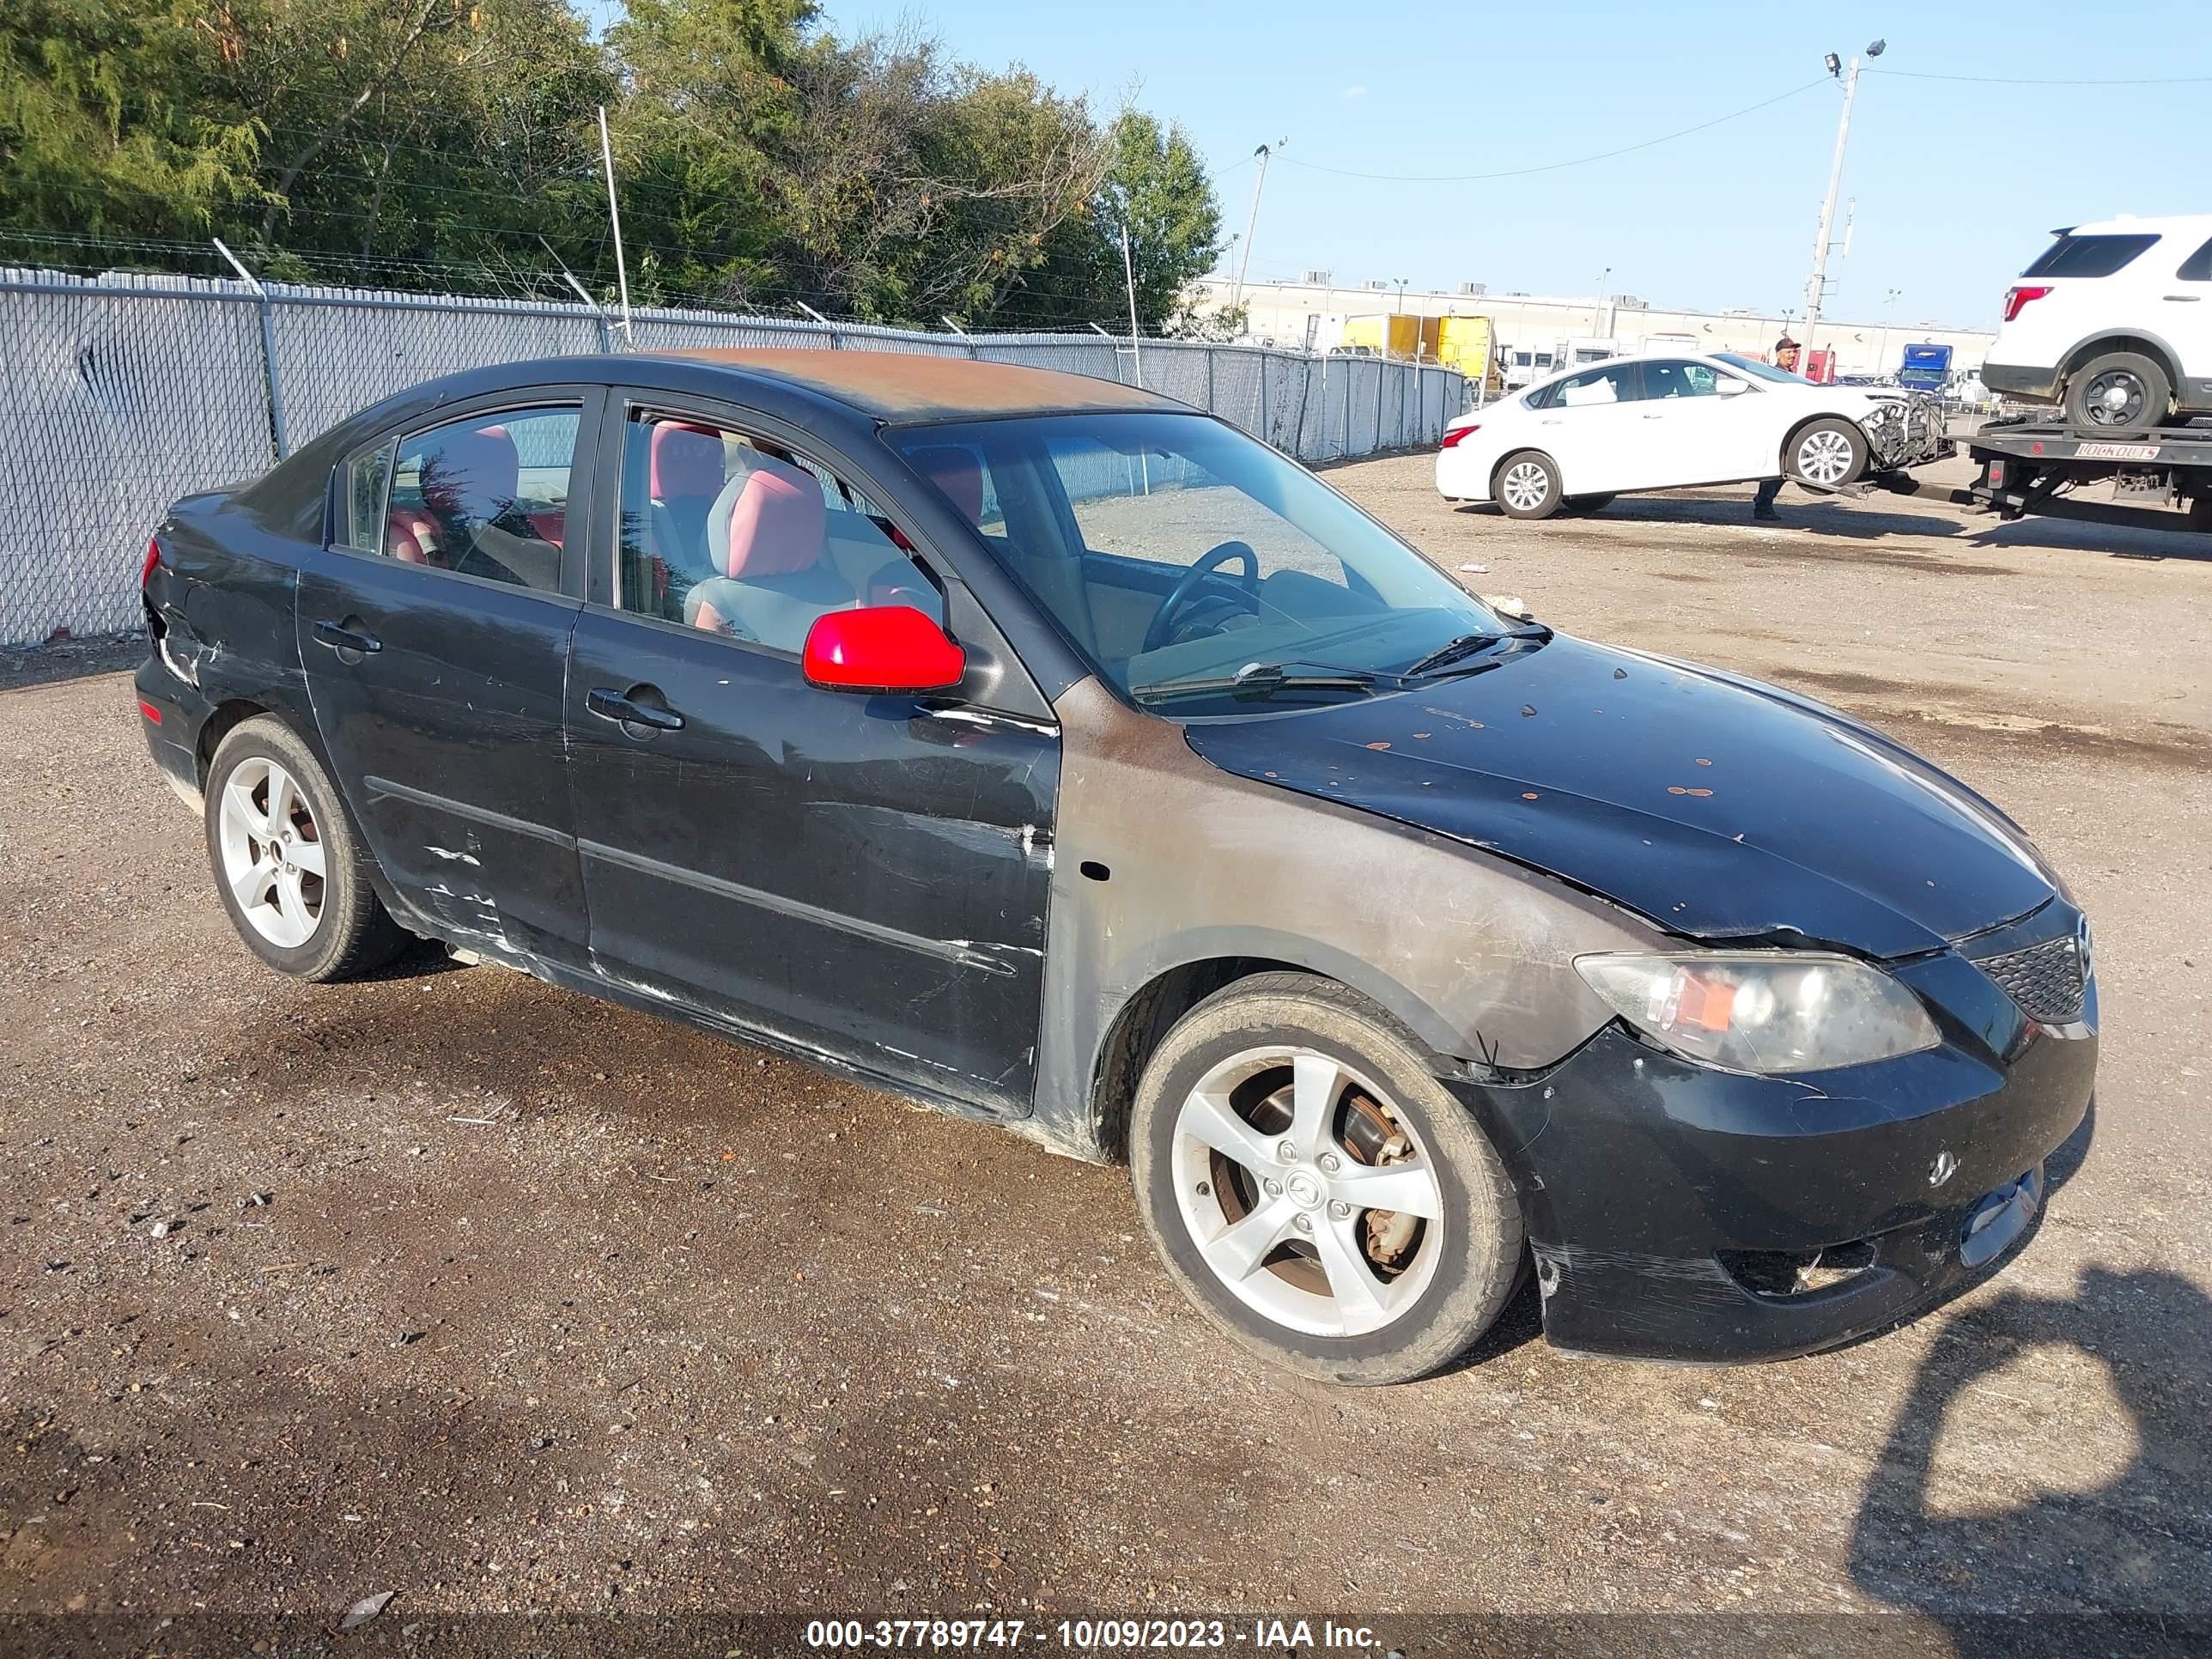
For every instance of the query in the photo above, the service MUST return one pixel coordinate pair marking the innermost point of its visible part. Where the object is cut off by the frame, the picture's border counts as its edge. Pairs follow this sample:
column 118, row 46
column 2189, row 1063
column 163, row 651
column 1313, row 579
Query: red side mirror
column 881, row 647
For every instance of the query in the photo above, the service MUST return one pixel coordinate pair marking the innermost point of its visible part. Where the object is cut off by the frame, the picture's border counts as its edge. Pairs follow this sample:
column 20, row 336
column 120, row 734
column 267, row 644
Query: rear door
column 2186, row 303
column 435, row 631
column 865, row 877
column 1588, row 425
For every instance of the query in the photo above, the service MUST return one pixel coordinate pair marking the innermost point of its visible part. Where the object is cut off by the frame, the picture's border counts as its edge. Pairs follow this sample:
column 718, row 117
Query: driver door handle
column 339, row 637
column 640, row 706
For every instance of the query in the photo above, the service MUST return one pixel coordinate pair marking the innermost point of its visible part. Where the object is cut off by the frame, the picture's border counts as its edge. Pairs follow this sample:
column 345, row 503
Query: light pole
column 1816, row 285
column 1252, row 224
column 1597, row 311
column 1888, row 310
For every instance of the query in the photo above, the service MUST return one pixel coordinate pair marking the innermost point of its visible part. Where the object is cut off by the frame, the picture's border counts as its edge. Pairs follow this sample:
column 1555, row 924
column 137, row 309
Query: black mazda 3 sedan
column 1046, row 751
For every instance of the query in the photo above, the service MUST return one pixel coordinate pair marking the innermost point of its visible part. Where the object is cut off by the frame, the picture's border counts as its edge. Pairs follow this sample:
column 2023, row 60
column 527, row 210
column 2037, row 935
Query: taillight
column 1453, row 434
column 2016, row 300
column 153, row 715
column 153, row 558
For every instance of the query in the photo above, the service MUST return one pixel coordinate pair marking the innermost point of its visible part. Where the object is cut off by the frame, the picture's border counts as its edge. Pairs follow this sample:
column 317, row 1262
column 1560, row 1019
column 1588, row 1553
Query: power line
column 1554, row 166
column 2012, row 81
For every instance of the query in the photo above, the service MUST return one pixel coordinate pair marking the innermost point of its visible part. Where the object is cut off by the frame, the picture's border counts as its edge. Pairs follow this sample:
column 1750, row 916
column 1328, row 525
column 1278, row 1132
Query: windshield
column 1763, row 371
column 1175, row 552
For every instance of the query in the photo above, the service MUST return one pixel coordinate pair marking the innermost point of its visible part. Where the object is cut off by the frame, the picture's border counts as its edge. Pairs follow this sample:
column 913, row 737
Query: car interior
column 737, row 536
column 1159, row 569
column 462, row 501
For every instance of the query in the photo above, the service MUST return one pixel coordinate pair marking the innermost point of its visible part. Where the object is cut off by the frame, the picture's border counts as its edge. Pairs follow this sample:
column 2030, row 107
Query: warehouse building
column 1318, row 314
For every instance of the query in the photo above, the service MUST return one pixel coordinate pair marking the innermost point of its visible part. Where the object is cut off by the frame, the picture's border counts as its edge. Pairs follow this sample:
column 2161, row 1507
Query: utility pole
column 1597, row 311
column 1129, row 277
column 1252, row 225
column 1816, row 285
column 614, row 220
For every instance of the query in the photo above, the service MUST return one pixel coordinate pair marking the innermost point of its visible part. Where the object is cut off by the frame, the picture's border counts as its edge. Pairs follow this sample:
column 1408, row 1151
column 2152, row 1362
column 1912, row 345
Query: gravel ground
column 456, row 1285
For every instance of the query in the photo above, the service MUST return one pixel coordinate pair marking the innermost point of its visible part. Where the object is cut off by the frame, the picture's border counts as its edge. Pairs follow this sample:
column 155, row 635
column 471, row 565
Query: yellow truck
column 1392, row 334
column 1464, row 343
column 1459, row 343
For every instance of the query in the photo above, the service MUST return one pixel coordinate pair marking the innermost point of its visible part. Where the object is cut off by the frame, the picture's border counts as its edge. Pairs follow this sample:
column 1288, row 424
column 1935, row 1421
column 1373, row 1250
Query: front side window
column 1759, row 371
column 486, row 497
column 1680, row 379
column 1175, row 551
column 738, row 535
column 2088, row 256
column 2197, row 267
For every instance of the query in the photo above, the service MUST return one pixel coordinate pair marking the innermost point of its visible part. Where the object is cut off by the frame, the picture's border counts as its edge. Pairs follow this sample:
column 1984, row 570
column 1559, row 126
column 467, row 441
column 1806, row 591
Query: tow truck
column 2030, row 466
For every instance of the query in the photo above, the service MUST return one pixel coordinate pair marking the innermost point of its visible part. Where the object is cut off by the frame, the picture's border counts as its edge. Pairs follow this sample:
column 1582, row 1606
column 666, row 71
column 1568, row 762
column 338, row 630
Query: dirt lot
column 459, row 1286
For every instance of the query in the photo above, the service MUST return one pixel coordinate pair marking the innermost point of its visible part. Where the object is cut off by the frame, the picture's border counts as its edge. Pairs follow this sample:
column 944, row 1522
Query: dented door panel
column 862, row 876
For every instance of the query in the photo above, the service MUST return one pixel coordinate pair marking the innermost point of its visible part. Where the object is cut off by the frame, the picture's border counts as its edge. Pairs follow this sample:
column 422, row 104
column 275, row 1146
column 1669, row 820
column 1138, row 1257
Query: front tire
column 1528, row 486
column 1314, row 1190
column 1826, row 454
column 2119, row 392
column 287, row 868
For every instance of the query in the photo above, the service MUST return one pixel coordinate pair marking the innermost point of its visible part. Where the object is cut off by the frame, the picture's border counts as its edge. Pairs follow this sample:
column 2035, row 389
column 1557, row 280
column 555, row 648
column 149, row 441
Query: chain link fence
column 119, row 394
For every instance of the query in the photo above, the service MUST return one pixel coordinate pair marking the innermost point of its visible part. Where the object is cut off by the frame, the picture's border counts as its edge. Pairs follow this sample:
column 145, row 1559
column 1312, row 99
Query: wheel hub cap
column 1305, row 1190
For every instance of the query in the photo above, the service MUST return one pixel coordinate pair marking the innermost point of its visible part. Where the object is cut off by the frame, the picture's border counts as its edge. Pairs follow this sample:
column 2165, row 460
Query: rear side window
column 2197, row 267
column 1616, row 383
column 486, row 495
column 2088, row 256
column 362, row 482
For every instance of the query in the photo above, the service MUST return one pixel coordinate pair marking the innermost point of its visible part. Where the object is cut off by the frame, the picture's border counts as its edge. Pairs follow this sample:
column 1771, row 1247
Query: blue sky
column 1956, row 183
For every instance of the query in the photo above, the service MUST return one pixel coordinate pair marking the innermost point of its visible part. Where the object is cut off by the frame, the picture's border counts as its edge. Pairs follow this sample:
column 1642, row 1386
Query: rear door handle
column 348, row 635
column 640, row 706
column 2185, row 299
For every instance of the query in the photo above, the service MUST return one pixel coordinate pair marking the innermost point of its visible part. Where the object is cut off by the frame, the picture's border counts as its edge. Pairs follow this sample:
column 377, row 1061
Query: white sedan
column 1579, row 439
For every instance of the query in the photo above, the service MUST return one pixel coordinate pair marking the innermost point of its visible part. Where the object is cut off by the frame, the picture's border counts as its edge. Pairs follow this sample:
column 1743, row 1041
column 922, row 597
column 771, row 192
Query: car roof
column 2127, row 224
column 903, row 386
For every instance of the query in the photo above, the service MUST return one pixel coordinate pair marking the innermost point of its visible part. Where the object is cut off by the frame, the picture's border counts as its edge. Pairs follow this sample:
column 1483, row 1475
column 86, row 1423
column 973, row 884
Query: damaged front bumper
column 1906, row 432
column 1682, row 1213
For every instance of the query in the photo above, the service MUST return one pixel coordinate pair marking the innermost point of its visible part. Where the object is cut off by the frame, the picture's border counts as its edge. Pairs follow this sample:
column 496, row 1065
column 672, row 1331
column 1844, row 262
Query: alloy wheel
column 1525, row 485
column 1310, row 1196
column 1825, row 457
column 273, row 852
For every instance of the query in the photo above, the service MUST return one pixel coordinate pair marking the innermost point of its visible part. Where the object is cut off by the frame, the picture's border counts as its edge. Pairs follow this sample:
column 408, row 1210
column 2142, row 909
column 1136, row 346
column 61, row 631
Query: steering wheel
column 1179, row 598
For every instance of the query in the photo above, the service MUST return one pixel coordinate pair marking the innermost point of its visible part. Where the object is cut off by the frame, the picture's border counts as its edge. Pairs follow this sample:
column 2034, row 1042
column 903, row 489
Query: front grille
column 2044, row 980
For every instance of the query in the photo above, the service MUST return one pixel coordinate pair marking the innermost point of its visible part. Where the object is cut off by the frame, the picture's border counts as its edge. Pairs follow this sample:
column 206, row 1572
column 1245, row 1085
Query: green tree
column 104, row 129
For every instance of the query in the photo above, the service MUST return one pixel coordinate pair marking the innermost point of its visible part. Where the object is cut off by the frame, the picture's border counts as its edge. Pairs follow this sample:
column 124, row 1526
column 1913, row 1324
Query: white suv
column 2114, row 322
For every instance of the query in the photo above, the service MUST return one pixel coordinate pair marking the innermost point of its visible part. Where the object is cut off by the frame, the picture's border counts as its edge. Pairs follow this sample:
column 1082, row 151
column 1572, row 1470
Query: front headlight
column 1764, row 1011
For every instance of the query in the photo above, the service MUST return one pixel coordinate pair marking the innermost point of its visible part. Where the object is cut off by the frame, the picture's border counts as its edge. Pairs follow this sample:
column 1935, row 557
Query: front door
column 434, row 632
column 1697, row 434
column 863, row 877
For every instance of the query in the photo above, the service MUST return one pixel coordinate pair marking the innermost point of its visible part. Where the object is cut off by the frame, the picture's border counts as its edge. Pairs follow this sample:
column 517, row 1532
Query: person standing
column 1762, row 504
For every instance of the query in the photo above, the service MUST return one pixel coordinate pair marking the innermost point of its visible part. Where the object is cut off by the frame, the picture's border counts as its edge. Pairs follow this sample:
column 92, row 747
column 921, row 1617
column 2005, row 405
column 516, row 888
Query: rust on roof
column 901, row 385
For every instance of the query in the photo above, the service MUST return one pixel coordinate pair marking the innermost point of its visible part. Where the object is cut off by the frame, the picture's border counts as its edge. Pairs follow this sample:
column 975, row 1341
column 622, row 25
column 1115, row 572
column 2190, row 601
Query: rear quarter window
column 2088, row 256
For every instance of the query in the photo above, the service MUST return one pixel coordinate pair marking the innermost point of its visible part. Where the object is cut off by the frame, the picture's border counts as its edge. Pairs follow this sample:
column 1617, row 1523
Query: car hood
column 1717, row 807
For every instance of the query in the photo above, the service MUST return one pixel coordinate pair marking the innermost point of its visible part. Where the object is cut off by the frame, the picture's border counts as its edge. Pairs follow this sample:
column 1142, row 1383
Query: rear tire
column 1528, row 486
column 1581, row 506
column 287, row 868
column 1827, row 453
column 1282, row 1110
column 2119, row 392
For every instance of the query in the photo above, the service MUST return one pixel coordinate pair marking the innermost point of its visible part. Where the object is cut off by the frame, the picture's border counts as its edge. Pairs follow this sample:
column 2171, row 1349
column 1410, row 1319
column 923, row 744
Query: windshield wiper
column 1466, row 645
column 1264, row 679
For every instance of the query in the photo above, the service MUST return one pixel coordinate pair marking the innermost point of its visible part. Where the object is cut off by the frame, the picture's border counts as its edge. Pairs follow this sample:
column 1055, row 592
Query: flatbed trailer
column 2034, row 467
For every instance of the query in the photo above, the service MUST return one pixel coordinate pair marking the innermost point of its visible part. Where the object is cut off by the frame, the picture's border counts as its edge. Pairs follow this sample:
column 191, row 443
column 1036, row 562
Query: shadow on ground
column 2011, row 1562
